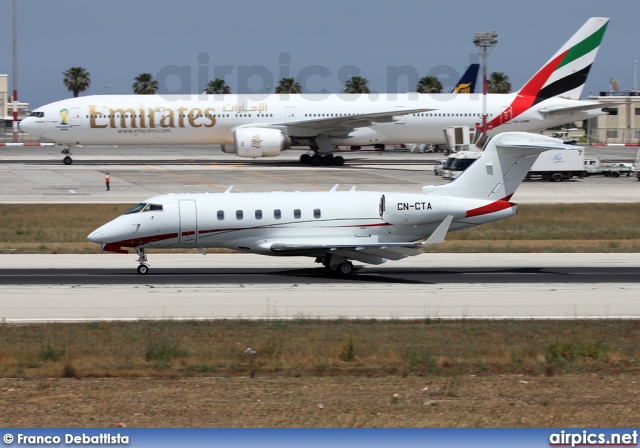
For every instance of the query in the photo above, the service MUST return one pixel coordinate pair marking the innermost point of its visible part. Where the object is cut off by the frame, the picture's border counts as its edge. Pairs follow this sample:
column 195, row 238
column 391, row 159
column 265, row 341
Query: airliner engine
column 258, row 142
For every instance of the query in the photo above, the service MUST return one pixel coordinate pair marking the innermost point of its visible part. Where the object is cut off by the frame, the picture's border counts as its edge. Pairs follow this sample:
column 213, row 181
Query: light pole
column 15, row 74
column 485, row 43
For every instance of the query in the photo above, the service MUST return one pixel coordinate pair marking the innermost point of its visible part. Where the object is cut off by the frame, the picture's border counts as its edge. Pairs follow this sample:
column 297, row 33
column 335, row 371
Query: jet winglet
column 438, row 235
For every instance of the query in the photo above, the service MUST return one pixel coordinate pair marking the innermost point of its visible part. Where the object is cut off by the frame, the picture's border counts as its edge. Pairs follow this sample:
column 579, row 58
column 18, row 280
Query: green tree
column 217, row 86
column 288, row 85
column 357, row 84
column 498, row 82
column 144, row 84
column 429, row 84
column 77, row 80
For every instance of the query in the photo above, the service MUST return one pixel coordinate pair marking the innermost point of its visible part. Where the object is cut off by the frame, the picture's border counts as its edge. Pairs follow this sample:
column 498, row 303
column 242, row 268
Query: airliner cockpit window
column 155, row 208
column 37, row 114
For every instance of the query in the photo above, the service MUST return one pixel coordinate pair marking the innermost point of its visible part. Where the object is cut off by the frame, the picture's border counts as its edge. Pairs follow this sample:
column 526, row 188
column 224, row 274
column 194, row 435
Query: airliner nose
column 28, row 125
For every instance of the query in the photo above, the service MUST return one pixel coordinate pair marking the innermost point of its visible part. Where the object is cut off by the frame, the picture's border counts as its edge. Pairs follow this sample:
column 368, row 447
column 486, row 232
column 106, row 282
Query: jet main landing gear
column 337, row 265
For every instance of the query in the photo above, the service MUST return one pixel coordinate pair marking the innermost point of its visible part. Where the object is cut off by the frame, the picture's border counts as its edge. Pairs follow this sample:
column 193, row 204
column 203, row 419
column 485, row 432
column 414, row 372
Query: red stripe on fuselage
column 496, row 206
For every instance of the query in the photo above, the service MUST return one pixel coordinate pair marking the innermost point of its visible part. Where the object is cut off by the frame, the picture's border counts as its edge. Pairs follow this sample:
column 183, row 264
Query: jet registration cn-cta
column 334, row 227
column 264, row 125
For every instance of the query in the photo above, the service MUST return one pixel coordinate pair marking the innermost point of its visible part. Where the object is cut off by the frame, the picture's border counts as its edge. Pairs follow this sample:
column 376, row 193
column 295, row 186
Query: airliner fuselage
column 213, row 119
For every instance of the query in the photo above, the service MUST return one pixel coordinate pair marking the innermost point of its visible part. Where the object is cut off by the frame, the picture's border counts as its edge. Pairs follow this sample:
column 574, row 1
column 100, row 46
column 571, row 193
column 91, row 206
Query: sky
column 254, row 43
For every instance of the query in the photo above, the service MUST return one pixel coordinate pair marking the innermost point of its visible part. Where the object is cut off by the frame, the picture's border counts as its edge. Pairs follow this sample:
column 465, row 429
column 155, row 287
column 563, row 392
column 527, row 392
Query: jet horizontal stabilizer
column 573, row 109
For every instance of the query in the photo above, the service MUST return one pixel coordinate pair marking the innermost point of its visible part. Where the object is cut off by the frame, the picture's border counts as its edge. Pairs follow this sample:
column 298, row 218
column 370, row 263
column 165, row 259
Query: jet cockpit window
column 37, row 114
column 138, row 208
column 144, row 207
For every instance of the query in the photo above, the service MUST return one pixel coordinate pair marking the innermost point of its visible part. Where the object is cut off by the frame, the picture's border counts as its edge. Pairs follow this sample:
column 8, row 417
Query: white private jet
column 263, row 125
column 333, row 226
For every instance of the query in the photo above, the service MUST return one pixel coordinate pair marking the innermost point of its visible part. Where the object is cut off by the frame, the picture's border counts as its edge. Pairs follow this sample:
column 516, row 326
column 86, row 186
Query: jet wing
column 572, row 109
column 373, row 253
column 346, row 123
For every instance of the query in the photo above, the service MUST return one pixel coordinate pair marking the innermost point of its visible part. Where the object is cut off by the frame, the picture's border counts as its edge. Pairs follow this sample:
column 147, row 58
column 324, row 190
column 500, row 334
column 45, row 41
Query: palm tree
column 288, row 85
column 357, row 84
column 144, row 84
column 429, row 84
column 217, row 86
column 498, row 83
column 77, row 80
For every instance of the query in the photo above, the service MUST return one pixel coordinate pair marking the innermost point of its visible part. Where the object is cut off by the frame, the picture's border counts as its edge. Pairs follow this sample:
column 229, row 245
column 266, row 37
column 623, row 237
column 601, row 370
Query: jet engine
column 260, row 142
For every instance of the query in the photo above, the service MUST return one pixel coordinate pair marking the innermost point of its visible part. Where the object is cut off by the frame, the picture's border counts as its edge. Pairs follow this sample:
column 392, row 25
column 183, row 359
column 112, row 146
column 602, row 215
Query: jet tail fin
column 499, row 171
column 566, row 72
column 467, row 83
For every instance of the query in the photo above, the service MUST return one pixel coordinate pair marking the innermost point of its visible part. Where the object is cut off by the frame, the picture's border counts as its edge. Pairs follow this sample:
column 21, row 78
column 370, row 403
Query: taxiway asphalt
column 36, row 175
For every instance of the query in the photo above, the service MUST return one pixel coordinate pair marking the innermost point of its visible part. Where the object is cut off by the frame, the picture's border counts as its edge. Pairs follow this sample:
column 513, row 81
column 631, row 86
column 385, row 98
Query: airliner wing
column 571, row 109
column 348, row 122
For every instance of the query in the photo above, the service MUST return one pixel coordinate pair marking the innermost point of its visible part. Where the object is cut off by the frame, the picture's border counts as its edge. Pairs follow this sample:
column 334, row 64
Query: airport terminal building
column 621, row 125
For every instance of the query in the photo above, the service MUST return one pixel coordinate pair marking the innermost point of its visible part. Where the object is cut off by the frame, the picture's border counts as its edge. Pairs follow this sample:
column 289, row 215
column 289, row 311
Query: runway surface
column 98, row 287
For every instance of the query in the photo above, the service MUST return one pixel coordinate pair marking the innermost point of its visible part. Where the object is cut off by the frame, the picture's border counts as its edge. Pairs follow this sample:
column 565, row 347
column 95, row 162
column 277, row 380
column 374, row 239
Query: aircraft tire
column 338, row 161
column 315, row 160
column 67, row 160
column 143, row 269
column 305, row 158
column 327, row 160
column 345, row 269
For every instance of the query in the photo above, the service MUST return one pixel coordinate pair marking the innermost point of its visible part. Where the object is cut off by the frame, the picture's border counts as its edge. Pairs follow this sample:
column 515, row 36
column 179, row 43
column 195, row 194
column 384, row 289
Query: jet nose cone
column 94, row 236
column 97, row 236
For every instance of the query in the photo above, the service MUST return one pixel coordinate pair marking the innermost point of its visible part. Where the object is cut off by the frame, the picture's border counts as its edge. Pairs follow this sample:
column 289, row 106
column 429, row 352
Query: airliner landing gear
column 66, row 150
column 143, row 268
column 322, row 153
column 318, row 159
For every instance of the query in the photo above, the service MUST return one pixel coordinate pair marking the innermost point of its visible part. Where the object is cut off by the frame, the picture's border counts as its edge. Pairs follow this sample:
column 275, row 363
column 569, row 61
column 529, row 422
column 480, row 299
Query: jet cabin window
column 144, row 207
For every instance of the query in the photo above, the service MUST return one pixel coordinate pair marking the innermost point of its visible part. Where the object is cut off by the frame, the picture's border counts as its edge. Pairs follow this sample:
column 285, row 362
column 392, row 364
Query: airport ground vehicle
column 564, row 136
column 595, row 166
column 437, row 167
column 557, row 166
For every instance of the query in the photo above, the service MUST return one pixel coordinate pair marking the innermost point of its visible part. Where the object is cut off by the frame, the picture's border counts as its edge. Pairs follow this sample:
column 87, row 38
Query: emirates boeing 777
column 253, row 125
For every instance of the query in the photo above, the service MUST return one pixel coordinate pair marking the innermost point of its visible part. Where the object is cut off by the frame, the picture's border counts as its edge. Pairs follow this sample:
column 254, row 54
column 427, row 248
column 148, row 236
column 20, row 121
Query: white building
column 622, row 122
column 6, row 102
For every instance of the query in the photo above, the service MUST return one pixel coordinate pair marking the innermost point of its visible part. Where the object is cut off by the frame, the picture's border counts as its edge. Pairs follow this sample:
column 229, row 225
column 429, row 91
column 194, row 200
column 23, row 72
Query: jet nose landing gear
column 143, row 267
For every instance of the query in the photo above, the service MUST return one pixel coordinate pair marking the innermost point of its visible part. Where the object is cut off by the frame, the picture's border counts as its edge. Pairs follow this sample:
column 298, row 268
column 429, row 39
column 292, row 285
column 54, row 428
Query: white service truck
column 595, row 166
column 558, row 165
